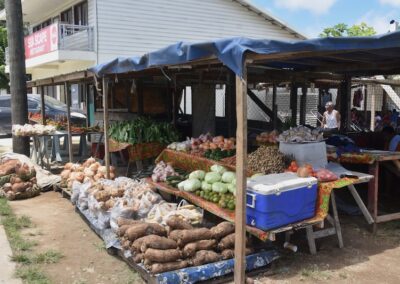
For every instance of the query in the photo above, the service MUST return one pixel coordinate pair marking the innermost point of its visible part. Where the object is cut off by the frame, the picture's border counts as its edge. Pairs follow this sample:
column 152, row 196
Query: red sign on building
column 42, row 42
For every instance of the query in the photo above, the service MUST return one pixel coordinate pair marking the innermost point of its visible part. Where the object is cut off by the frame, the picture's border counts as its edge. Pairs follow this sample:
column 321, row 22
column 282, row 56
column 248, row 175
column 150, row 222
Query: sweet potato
column 19, row 187
column 157, row 242
column 15, row 179
column 122, row 230
column 170, row 266
column 123, row 221
column 7, row 187
column 162, row 256
column 138, row 257
column 190, row 249
column 177, row 223
column 183, row 237
column 126, row 244
column 141, row 230
column 230, row 253
column 9, row 167
column 222, row 230
column 227, row 242
column 204, row 256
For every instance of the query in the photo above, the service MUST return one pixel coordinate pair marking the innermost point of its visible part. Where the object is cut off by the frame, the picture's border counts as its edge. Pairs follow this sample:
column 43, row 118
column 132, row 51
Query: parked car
column 54, row 109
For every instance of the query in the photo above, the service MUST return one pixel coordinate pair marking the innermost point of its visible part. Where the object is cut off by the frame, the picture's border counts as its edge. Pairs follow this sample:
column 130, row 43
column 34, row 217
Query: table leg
column 56, row 148
column 336, row 220
column 373, row 193
column 361, row 204
column 311, row 240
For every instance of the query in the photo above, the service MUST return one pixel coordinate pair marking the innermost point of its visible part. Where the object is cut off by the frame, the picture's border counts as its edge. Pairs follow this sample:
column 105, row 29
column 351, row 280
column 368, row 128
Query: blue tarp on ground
column 231, row 52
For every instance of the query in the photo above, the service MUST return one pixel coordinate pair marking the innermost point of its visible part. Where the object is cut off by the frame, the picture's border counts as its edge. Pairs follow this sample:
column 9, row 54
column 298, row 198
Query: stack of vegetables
column 89, row 171
column 323, row 175
column 215, row 148
column 268, row 137
column 143, row 130
column 218, row 186
column 32, row 130
column 17, row 181
column 177, row 245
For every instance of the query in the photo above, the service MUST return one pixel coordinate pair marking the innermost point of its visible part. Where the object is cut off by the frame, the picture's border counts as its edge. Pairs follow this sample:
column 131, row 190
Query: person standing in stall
column 331, row 118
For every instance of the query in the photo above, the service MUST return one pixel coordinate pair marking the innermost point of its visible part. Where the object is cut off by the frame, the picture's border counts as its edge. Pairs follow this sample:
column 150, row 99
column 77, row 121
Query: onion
column 88, row 172
column 65, row 174
column 68, row 166
column 102, row 170
column 94, row 167
column 303, row 172
column 80, row 177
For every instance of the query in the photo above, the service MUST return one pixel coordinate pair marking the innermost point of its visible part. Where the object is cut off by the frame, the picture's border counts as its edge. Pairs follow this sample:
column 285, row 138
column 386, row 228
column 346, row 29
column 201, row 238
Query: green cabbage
column 206, row 186
column 233, row 181
column 219, row 187
column 228, row 177
column 181, row 185
column 212, row 177
column 218, row 169
column 197, row 175
column 232, row 188
column 191, row 185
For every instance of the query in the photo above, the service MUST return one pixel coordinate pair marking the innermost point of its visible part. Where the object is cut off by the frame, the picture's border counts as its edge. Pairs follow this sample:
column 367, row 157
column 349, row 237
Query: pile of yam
column 178, row 245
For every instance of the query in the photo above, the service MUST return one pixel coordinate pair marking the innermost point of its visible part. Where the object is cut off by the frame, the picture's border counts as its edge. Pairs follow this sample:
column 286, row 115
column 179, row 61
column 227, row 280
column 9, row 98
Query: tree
column 4, row 82
column 342, row 30
column 19, row 100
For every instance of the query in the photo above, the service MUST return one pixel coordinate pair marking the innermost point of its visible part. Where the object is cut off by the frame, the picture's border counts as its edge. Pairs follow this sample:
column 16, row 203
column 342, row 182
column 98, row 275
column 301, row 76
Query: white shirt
column 331, row 119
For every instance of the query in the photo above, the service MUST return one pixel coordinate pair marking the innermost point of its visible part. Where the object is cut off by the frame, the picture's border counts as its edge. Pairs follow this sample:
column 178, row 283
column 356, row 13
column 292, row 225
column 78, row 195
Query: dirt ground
column 366, row 258
column 57, row 226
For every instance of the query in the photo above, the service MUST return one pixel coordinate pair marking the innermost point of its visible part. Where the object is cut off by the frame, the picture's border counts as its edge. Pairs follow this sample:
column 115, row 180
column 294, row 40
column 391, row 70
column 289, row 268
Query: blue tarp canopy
column 341, row 55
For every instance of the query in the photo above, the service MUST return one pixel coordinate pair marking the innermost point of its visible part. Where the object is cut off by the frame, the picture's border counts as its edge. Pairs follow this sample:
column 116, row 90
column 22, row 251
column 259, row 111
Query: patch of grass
column 48, row 257
column 5, row 209
column 32, row 275
column 21, row 258
column 315, row 273
column 28, row 269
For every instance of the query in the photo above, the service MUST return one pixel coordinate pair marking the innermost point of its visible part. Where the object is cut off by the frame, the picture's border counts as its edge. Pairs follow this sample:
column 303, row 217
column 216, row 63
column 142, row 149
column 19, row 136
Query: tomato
column 295, row 168
column 293, row 164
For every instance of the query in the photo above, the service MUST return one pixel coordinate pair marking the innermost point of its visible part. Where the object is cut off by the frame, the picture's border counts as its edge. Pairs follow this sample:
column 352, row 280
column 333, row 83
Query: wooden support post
column 345, row 104
column 274, row 107
column 241, row 165
column 42, row 106
column 68, row 98
column 293, row 101
column 384, row 101
column 105, row 125
column 230, row 103
column 373, row 108
column 303, row 102
column 365, row 105
column 175, row 102
column 140, row 104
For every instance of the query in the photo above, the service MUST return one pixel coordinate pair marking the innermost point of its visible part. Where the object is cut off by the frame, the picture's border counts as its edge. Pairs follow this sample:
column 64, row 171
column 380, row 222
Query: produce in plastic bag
column 159, row 211
column 324, row 175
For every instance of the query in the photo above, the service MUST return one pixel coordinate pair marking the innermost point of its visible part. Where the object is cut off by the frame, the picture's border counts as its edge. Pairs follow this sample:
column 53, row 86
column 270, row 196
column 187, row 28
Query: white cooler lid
column 275, row 183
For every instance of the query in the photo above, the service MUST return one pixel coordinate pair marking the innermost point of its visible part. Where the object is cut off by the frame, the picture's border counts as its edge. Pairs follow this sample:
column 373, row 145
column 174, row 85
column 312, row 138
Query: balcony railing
column 70, row 37
column 73, row 37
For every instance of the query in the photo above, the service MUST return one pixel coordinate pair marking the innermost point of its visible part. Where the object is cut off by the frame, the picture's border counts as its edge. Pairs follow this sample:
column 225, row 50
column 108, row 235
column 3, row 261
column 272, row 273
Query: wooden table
column 373, row 159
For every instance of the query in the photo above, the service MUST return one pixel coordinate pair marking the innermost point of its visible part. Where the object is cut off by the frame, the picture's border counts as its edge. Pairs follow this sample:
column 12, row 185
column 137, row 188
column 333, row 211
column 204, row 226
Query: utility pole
column 19, row 104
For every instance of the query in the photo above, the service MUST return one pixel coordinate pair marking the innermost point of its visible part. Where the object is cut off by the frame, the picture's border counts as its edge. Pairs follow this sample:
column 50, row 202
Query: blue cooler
column 277, row 200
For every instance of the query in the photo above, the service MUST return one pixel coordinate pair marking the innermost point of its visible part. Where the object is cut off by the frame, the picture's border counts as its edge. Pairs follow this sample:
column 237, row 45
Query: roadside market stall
column 345, row 57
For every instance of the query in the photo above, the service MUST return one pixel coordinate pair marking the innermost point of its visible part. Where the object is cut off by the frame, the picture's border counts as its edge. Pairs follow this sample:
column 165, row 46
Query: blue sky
column 310, row 17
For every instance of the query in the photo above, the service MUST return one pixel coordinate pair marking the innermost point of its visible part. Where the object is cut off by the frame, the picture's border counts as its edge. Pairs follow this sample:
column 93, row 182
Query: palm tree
column 19, row 104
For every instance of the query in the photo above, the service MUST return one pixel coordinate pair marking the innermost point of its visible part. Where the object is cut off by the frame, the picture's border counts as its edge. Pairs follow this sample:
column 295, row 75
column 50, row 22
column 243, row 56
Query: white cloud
column 315, row 6
column 391, row 2
column 379, row 21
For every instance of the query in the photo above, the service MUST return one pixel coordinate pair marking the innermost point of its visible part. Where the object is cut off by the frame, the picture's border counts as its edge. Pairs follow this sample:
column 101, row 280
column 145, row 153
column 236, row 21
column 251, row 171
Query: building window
column 67, row 17
column 81, row 14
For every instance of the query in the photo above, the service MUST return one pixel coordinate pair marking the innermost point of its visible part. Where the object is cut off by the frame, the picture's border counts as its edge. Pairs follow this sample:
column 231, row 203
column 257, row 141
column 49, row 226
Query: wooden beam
column 105, row 125
column 230, row 103
column 261, row 105
column 365, row 105
column 241, row 178
column 68, row 99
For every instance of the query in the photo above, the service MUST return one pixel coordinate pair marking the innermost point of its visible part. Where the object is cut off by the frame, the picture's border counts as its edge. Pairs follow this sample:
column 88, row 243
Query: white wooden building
column 95, row 31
